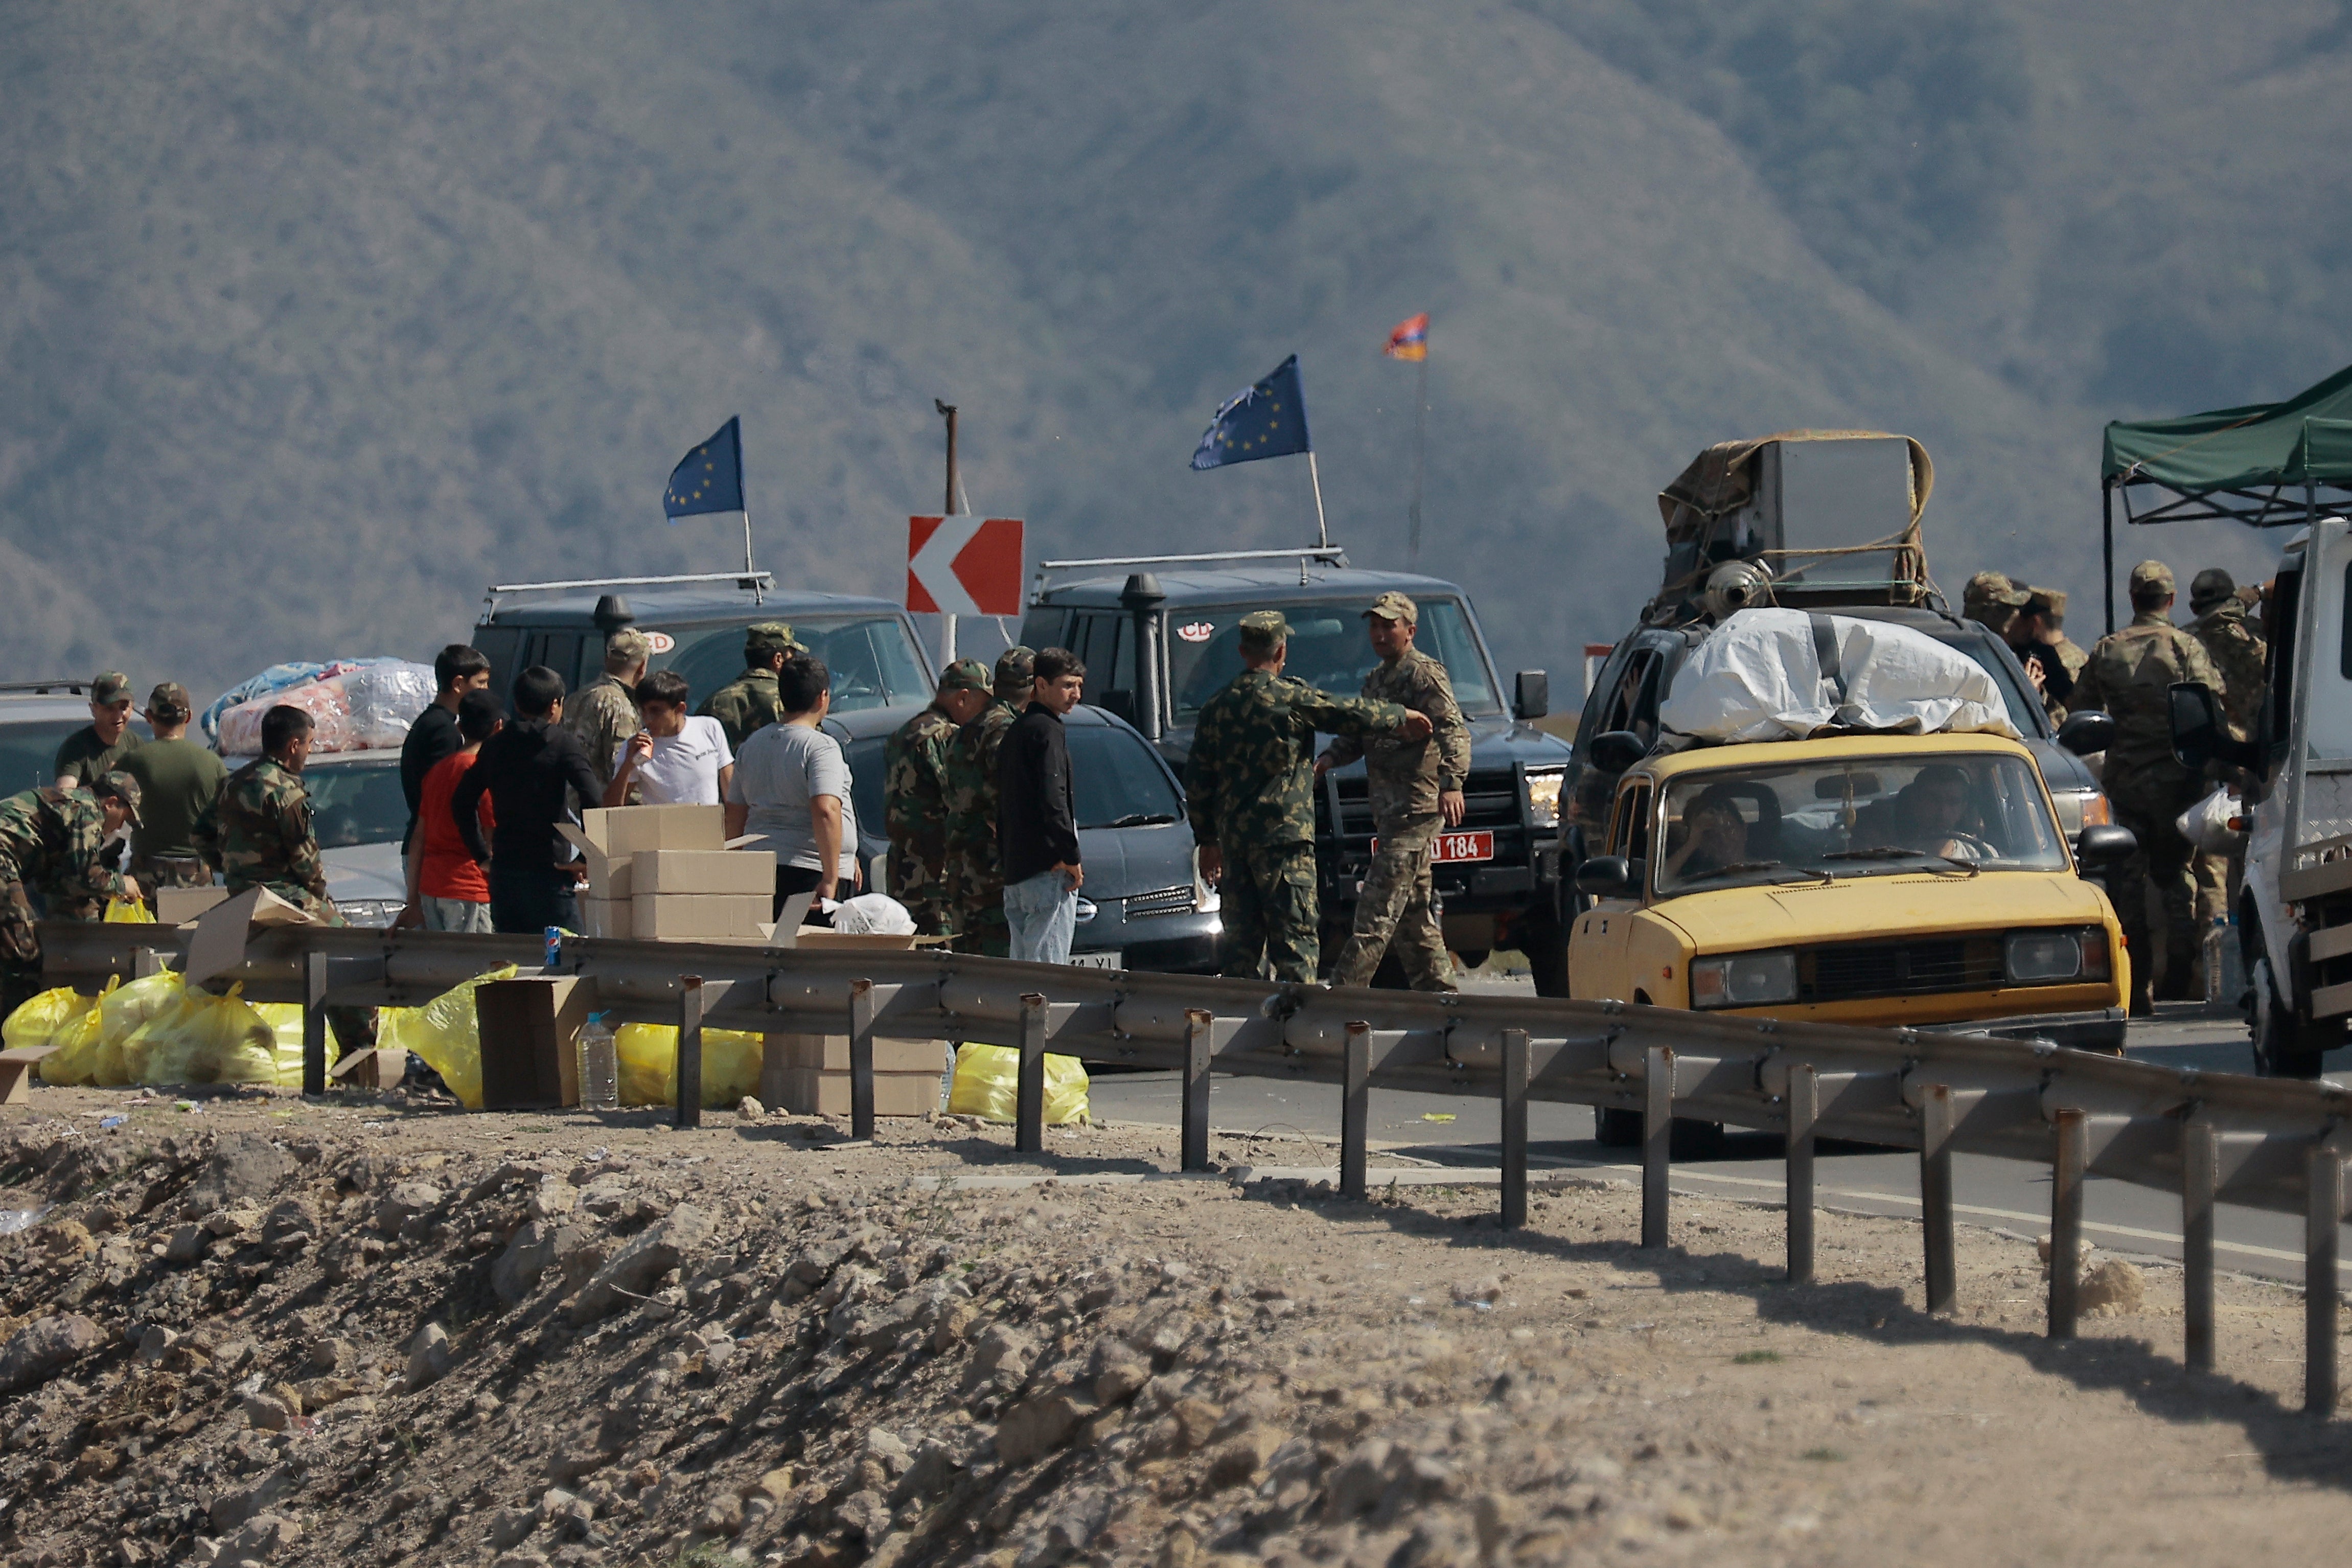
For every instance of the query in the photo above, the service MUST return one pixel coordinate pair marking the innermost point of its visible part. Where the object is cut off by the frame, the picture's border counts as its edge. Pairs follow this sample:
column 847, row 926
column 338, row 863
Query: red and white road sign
column 964, row 565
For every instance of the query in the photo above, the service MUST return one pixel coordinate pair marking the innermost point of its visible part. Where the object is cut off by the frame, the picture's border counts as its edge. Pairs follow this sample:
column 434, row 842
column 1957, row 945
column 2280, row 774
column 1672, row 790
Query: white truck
column 2295, row 912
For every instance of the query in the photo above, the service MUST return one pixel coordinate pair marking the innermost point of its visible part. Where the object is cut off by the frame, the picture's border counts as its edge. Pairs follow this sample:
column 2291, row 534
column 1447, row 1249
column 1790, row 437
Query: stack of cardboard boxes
column 808, row 1075
column 666, row 873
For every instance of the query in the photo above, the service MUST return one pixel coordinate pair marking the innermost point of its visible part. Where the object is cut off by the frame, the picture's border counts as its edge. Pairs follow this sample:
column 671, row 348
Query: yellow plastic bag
column 37, row 1022
column 649, row 1060
column 445, row 1032
column 285, row 1021
column 988, row 1085
column 206, row 1039
column 121, row 1013
column 128, row 913
column 76, row 1042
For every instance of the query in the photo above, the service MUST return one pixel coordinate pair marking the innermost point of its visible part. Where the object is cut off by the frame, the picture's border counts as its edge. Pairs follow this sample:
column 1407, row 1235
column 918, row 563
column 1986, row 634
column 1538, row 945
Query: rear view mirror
column 2087, row 732
column 2105, row 844
column 1617, row 750
column 1533, row 698
column 1836, row 786
column 1607, row 877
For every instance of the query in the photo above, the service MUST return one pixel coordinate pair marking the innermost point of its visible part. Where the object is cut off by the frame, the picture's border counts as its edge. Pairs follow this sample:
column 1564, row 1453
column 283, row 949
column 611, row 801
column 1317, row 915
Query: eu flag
column 709, row 478
column 1268, row 420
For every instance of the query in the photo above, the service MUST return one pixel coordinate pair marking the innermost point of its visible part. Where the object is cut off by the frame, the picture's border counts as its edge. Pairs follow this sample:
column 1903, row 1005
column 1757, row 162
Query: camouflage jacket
column 975, row 872
column 1406, row 776
column 2237, row 652
column 744, row 706
column 258, row 833
column 2130, row 676
column 54, row 841
column 1251, row 782
column 915, row 806
column 604, row 714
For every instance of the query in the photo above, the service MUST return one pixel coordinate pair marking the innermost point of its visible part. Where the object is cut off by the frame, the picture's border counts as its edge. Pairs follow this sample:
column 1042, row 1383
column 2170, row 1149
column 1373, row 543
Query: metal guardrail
column 2268, row 1144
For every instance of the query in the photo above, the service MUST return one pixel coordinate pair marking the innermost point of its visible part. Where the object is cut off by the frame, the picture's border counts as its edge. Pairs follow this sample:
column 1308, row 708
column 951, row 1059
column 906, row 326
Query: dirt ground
column 386, row 1333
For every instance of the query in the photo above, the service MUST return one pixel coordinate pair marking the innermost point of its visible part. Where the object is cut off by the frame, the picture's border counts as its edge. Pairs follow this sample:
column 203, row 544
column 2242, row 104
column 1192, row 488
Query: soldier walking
column 2238, row 653
column 604, row 714
column 2130, row 676
column 58, row 844
column 258, row 831
column 915, row 811
column 749, row 703
column 1416, row 789
column 975, row 868
column 1250, row 793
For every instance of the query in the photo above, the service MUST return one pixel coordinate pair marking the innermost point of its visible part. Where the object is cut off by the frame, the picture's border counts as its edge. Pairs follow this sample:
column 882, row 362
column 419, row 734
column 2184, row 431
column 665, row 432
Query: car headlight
column 1543, row 797
column 1744, row 980
column 373, row 913
column 2081, row 809
column 2043, row 957
column 1206, row 899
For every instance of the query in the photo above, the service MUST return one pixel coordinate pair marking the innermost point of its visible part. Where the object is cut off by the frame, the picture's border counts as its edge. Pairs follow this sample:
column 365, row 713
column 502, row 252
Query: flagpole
column 1322, row 533
column 1420, row 419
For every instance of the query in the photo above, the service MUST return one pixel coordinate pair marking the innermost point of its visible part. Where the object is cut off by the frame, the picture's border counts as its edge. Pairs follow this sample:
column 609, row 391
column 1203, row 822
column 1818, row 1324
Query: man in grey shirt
column 791, row 791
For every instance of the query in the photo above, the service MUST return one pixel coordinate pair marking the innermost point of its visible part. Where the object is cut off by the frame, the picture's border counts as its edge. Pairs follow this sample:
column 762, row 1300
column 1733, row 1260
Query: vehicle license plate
column 1456, row 847
column 1108, row 958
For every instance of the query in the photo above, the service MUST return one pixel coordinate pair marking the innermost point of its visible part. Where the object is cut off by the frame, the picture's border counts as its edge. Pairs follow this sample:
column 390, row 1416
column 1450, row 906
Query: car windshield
column 353, row 804
column 1954, row 811
column 29, row 751
column 1328, row 648
column 871, row 660
column 1115, row 779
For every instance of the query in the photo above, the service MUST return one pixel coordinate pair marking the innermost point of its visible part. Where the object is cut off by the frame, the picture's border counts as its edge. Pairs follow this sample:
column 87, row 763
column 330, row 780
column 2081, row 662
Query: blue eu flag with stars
column 709, row 478
column 1268, row 420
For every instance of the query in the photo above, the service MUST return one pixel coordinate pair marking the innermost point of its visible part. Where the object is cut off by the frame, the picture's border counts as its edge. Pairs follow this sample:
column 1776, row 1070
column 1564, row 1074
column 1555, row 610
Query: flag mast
column 1420, row 420
column 1322, row 533
column 947, row 509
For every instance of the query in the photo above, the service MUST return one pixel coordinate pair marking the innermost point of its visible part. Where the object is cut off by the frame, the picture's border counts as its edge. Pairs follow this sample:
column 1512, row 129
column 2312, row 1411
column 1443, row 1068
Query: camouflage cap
column 1993, row 588
column 964, row 675
column 628, row 646
column 2046, row 602
column 109, row 687
column 170, row 704
column 1016, row 672
column 767, row 639
column 1394, row 606
column 2209, row 587
column 2151, row 577
column 122, row 787
column 1263, row 628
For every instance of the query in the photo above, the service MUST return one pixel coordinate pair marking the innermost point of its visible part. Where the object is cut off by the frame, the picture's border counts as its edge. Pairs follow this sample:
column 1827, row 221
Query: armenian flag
column 1409, row 339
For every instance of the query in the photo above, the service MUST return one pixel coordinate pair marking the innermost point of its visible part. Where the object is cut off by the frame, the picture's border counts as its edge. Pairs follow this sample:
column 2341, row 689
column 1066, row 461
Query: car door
column 1600, row 954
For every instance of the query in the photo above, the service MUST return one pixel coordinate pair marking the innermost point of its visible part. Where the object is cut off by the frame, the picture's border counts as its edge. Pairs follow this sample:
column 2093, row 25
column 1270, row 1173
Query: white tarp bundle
column 1760, row 676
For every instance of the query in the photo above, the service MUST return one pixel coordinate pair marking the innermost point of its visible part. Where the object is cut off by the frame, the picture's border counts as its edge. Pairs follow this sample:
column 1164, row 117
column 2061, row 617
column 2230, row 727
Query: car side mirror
column 1617, row 750
column 2200, row 735
column 2106, row 843
column 1607, row 877
column 1532, row 700
column 2087, row 732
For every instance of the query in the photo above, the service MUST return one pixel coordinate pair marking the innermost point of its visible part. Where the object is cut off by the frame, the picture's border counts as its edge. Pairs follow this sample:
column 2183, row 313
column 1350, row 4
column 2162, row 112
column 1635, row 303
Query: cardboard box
column 808, row 1092
column 177, row 906
column 379, row 1069
column 830, row 1053
column 703, row 871
column 612, row 837
column 607, row 918
column 689, row 917
column 529, row 1030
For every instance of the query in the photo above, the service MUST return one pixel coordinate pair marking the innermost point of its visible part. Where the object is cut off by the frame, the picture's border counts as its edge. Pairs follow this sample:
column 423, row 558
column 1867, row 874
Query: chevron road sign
column 964, row 565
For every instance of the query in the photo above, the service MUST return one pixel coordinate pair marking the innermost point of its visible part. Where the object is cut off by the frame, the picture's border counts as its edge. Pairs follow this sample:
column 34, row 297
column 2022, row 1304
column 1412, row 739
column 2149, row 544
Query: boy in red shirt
column 444, row 879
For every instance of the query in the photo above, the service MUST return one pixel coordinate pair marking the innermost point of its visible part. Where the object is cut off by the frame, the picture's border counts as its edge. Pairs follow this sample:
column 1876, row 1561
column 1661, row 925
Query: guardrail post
column 1515, row 1128
column 1029, row 1099
column 1355, row 1110
column 314, row 1022
column 1198, row 1038
column 1936, row 1197
column 1657, row 1140
column 861, row 1059
column 2197, row 1175
column 1804, row 1110
column 2072, row 1156
column 689, row 1051
column 2323, row 1213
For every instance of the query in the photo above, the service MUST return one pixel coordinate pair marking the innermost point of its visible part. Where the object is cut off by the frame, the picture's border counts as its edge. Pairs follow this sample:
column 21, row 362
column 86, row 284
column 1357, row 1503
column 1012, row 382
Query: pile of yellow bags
column 445, row 1033
column 988, row 1085
column 158, row 1032
column 648, row 1060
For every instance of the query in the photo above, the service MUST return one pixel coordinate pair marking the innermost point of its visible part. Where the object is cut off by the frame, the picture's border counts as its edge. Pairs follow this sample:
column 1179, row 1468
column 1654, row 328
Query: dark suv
column 697, row 626
column 1497, row 879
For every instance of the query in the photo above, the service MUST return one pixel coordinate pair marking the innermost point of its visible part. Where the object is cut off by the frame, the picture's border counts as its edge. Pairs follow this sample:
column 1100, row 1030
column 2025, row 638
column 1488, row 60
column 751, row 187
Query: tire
column 1617, row 1129
column 1690, row 1138
column 2284, row 1044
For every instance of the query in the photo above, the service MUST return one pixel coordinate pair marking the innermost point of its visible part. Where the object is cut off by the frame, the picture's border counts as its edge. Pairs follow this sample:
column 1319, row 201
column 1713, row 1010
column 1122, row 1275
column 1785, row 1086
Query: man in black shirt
column 526, row 767
column 1036, row 818
column 458, row 670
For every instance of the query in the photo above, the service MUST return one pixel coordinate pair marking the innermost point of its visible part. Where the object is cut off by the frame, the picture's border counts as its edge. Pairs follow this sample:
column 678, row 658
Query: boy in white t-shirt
column 675, row 759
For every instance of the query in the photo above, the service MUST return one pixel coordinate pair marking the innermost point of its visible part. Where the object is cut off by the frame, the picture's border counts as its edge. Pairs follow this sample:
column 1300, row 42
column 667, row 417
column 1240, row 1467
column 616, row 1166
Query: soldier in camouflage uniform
column 1416, row 793
column 976, row 871
column 2130, row 676
column 56, row 844
column 1993, row 600
column 915, row 802
column 2051, row 658
column 603, row 713
column 258, row 831
column 749, row 703
column 1249, row 790
column 2238, row 653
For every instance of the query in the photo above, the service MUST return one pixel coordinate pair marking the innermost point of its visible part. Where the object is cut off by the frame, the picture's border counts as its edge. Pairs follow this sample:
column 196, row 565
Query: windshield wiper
column 1742, row 867
column 1140, row 819
column 1896, row 852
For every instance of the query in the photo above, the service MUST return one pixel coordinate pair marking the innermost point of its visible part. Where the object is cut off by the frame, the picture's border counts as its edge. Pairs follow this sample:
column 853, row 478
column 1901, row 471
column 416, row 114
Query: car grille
column 1176, row 900
column 1491, row 799
column 1898, row 969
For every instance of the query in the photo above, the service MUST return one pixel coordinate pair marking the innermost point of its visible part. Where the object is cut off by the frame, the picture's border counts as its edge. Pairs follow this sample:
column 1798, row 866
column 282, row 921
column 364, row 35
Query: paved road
column 2005, row 1193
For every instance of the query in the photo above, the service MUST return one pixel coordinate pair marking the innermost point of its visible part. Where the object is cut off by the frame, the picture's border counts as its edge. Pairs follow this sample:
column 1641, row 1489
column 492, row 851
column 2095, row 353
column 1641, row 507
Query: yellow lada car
column 1879, row 879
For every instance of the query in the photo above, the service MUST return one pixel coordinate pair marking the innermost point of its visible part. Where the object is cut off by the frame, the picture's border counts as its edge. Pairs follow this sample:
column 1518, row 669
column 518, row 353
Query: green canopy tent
column 2264, row 464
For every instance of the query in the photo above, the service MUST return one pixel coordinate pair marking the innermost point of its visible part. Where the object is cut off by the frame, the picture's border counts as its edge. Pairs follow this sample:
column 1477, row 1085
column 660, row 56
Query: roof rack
column 1331, row 554
column 756, row 584
column 73, row 688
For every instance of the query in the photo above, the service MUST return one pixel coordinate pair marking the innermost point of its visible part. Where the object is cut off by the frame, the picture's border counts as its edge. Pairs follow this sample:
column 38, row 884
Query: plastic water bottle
column 600, row 1065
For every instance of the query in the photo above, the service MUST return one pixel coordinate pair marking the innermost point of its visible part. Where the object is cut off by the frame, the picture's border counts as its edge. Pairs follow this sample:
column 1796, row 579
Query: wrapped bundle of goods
column 356, row 704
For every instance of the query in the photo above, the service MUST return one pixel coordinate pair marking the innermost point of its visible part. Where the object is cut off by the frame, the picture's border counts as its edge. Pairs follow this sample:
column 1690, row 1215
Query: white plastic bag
column 1758, row 676
column 873, row 914
column 2208, row 824
column 386, row 700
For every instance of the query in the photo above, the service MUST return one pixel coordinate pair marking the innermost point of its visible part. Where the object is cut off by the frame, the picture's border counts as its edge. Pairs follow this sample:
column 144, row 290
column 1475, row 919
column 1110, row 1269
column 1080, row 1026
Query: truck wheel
column 1690, row 1138
column 1617, row 1129
column 2285, row 1046
column 1546, row 946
